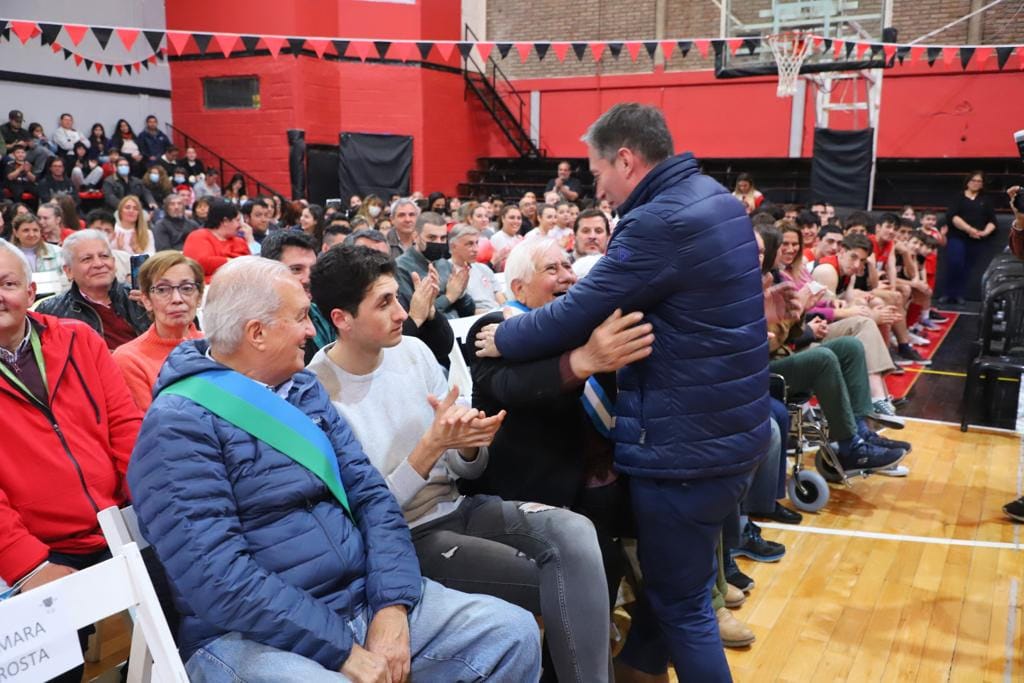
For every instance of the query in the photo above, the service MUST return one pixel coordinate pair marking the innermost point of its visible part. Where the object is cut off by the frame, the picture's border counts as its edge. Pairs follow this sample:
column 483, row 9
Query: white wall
column 44, row 103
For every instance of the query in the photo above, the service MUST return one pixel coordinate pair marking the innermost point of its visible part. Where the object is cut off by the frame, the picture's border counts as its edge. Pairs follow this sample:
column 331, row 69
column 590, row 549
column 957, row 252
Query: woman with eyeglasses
column 172, row 287
column 970, row 219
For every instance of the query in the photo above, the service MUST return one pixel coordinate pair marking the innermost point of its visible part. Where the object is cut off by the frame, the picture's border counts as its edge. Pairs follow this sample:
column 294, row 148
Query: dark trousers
column 678, row 528
column 960, row 257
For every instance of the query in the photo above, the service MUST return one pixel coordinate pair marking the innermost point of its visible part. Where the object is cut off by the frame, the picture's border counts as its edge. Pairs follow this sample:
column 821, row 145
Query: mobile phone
column 136, row 262
column 333, row 203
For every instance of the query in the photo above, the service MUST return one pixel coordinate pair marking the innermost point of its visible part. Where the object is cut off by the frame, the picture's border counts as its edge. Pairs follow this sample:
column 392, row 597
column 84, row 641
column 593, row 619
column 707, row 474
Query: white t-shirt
column 483, row 287
column 556, row 233
column 388, row 411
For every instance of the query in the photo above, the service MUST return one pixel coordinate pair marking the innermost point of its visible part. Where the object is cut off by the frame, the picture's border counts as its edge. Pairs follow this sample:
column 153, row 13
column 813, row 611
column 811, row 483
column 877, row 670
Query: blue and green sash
column 260, row 412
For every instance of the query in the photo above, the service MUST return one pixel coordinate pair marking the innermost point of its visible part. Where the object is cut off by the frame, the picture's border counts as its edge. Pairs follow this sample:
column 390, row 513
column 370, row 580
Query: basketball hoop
column 790, row 49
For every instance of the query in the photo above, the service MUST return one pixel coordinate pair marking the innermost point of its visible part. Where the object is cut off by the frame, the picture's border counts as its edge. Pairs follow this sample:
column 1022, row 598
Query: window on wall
column 241, row 92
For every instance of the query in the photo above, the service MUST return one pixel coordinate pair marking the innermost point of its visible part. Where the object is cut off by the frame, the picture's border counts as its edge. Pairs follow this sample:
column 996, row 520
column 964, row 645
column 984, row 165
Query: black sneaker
column 735, row 577
column 936, row 318
column 756, row 548
column 896, row 361
column 1014, row 511
column 879, row 440
column 864, row 457
column 781, row 514
column 909, row 356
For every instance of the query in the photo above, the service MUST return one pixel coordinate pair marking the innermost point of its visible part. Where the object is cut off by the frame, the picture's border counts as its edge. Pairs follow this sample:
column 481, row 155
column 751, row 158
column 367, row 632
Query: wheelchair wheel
column 830, row 473
column 808, row 491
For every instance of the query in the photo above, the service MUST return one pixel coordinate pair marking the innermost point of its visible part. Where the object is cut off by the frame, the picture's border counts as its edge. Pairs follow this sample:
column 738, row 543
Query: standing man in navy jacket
column 693, row 418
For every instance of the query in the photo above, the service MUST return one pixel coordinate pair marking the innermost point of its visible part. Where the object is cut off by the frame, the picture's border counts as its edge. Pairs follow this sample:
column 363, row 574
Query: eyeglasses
column 185, row 289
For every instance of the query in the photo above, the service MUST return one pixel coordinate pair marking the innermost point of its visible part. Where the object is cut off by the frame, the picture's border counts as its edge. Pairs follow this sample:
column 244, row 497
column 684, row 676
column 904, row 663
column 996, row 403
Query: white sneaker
column 894, row 471
column 918, row 340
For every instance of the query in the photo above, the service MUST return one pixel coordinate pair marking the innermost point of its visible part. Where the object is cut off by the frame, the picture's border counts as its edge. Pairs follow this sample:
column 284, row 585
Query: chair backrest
column 460, row 326
column 120, row 527
column 1002, row 320
column 118, row 584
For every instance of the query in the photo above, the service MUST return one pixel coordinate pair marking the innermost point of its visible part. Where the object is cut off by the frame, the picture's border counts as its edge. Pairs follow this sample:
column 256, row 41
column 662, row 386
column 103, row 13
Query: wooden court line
column 879, row 536
column 1011, row 632
column 950, row 373
column 980, row 428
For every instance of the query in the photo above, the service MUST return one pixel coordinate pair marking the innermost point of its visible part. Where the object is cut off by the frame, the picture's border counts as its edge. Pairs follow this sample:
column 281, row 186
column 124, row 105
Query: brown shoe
column 734, row 632
column 734, row 597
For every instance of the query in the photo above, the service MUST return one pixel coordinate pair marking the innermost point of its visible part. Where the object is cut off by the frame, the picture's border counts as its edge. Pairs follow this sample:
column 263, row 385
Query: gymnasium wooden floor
column 914, row 579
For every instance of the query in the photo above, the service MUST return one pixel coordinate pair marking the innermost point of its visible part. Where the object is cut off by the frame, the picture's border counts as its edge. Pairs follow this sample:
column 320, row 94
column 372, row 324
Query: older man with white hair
column 96, row 297
column 290, row 557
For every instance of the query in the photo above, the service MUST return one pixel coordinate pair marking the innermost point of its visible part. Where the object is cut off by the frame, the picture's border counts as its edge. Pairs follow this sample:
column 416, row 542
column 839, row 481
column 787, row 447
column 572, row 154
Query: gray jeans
column 541, row 558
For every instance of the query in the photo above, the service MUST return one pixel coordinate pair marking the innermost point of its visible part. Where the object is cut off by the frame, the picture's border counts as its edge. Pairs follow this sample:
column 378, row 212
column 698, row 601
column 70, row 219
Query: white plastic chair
column 121, row 583
column 459, row 374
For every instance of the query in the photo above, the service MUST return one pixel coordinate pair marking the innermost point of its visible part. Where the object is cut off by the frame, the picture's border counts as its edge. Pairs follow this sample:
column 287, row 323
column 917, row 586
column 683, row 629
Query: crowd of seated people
column 509, row 493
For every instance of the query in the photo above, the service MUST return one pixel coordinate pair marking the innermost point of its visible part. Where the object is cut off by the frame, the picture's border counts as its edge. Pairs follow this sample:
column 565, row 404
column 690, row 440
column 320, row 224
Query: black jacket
column 546, row 447
column 47, row 187
column 170, row 233
column 72, row 304
column 116, row 188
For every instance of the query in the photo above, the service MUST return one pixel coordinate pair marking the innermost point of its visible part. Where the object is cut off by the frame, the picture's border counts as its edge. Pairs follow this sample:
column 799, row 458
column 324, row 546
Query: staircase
column 512, row 177
column 213, row 160
column 501, row 100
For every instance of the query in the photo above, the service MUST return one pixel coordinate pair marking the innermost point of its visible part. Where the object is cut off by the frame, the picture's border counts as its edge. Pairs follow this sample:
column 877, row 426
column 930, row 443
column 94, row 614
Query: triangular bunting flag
column 916, row 53
column 120, row 69
column 667, row 48
column 579, row 49
column 1003, row 55
column 837, row 49
column 382, row 47
column 983, row 54
column 889, row 51
column 425, row 49
column 128, row 68
column 319, row 46
column 75, row 33
column 154, row 38
column 615, row 49
column 850, row 46
column 78, row 59
column 250, row 43
column 876, row 49
column 464, row 49
column 5, row 29
column 651, row 46
column 826, row 45
column 67, row 53
column 295, row 45
column 734, row 44
column 56, row 48
column 109, row 68
column 145, row 64
column 177, row 41
column 560, row 50
column 633, row 48
column 152, row 59
column 402, row 50
column 340, row 46
column 702, row 47
column 684, row 47
column 273, row 43
column 88, row 63
column 902, row 52
column 542, row 50
column 49, row 33
column 24, row 30
column 965, row 56
column 484, row 50
column 226, row 43
column 933, row 54
column 597, row 51
column 948, row 55
column 524, row 51
column 102, row 35
column 128, row 37
column 862, row 49
column 445, row 49
column 751, row 44
column 203, row 41
column 718, row 46
column 360, row 48
column 503, row 49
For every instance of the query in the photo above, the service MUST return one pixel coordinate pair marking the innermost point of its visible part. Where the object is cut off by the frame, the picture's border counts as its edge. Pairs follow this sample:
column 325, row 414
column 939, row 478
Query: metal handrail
column 189, row 141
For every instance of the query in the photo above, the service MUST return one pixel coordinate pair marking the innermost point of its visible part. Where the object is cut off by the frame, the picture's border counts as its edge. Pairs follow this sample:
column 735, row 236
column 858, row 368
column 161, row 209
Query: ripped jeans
column 540, row 558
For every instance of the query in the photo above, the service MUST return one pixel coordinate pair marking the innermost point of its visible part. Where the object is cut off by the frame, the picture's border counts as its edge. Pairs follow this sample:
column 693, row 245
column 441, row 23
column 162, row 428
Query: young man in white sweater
column 391, row 391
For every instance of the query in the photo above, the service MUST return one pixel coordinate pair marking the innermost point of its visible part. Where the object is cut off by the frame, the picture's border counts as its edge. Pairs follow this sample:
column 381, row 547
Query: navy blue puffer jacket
column 254, row 542
column 684, row 254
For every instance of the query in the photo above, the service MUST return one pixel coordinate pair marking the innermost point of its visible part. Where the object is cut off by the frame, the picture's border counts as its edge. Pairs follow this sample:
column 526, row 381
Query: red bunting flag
column 445, row 49
column 128, row 37
column 75, row 33
column 403, row 51
column 360, row 48
column 119, row 68
column 484, row 50
column 597, row 49
column 319, row 46
column 860, row 50
column 522, row 48
column 702, row 47
column 949, row 54
column 78, row 59
column 24, row 30
column 890, row 51
column 837, row 48
column 734, row 44
column 56, row 47
column 152, row 59
column 916, row 53
column 560, row 50
column 982, row 54
column 274, row 44
column 99, row 67
column 177, row 40
column 634, row 49
column 226, row 43
column 667, row 47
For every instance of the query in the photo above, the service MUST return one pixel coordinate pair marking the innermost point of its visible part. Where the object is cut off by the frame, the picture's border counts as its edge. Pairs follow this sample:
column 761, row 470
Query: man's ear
column 254, row 334
column 341, row 320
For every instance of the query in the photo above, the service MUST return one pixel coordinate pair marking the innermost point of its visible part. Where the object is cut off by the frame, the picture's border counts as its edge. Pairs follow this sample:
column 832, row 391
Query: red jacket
column 58, row 468
column 212, row 253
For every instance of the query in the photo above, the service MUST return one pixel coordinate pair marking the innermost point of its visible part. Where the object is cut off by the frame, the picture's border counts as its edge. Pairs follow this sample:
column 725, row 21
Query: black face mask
column 434, row 251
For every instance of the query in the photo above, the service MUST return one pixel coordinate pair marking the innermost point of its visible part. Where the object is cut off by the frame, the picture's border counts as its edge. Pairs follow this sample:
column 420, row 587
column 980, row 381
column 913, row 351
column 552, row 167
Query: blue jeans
column 769, row 484
column 453, row 636
column 678, row 526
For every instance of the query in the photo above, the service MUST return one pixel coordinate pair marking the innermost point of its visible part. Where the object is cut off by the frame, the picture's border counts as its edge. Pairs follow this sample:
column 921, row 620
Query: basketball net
column 790, row 49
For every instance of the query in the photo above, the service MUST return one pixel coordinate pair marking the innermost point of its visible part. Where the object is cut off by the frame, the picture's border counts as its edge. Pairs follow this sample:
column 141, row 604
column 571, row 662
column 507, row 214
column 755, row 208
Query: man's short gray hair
column 461, row 230
column 169, row 199
column 522, row 261
column 429, row 217
column 637, row 127
column 26, row 268
column 67, row 250
column 241, row 290
column 399, row 203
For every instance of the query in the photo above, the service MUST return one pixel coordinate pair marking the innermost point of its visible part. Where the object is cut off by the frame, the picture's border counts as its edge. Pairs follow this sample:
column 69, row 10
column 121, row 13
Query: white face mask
column 374, row 211
column 179, row 179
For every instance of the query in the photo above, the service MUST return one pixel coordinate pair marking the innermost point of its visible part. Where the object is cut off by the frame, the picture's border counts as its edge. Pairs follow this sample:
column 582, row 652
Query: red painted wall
column 326, row 97
column 939, row 112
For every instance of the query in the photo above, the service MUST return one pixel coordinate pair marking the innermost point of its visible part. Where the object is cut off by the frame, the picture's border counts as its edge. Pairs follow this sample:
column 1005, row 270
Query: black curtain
column 322, row 162
column 841, row 167
column 297, row 162
column 374, row 164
